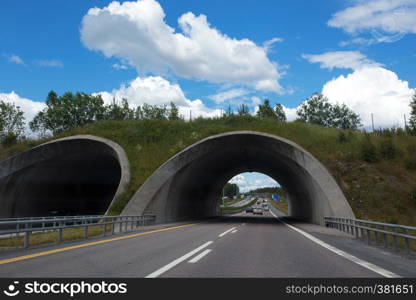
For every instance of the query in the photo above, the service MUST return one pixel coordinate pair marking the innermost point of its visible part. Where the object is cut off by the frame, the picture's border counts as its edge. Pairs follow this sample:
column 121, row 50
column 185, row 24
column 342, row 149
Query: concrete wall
column 76, row 175
column 189, row 185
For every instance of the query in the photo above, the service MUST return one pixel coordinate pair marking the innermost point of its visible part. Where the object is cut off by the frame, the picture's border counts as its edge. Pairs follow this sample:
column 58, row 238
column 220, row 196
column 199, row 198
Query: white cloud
column 137, row 32
column 15, row 59
column 251, row 181
column 239, row 180
column 267, row 45
column 49, row 63
column 119, row 67
column 290, row 113
column 386, row 20
column 156, row 90
column 372, row 90
column 341, row 59
column 30, row 108
column 227, row 95
column 255, row 101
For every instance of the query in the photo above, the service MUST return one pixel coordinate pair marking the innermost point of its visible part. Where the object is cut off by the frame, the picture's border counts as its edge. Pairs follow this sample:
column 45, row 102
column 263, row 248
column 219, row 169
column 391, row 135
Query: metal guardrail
column 13, row 228
column 380, row 233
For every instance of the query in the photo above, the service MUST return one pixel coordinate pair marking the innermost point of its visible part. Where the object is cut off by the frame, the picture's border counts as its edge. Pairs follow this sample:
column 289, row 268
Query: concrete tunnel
column 80, row 175
column 189, row 185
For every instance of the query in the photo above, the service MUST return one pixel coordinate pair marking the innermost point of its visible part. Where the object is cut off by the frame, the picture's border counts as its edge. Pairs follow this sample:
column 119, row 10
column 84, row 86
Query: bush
column 9, row 139
column 410, row 163
column 342, row 137
column 368, row 150
column 387, row 149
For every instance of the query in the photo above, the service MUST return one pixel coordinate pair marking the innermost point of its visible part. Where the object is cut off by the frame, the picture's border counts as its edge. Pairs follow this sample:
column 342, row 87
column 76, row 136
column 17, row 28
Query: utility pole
column 405, row 124
column 372, row 121
column 190, row 115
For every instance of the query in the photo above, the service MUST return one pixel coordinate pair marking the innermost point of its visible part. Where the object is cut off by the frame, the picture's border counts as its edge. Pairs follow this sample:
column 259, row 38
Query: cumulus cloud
column 341, row 59
column 386, row 20
column 30, row 108
column 137, row 33
column 156, row 90
column 228, row 95
column 370, row 88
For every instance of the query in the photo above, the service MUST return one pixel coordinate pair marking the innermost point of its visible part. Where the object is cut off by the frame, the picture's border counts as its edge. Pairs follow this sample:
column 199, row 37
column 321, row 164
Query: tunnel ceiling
column 190, row 184
column 80, row 175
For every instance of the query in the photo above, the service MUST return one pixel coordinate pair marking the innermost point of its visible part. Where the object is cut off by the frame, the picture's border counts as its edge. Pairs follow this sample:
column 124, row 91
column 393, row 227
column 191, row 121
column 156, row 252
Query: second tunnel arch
column 190, row 183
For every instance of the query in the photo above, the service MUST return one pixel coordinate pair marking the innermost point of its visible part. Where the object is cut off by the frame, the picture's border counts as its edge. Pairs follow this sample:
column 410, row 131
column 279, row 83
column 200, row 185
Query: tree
column 231, row 190
column 11, row 122
column 344, row 118
column 229, row 112
column 173, row 112
column 243, row 110
column 280, row 113
column 117, row 112
column 265, row 110
column 317, row 110
column 68, row 111
column 412, row 120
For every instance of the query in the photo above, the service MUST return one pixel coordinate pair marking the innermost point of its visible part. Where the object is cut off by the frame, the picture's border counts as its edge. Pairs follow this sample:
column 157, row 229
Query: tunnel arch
column 77, row 175
column 189, row 184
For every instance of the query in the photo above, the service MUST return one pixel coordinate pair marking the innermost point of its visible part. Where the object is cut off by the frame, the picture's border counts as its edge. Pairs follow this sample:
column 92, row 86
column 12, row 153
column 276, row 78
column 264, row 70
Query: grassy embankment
column 383, row 190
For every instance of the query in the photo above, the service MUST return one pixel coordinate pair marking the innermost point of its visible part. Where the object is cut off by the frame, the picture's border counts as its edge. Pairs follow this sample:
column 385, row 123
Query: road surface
column 235, row 246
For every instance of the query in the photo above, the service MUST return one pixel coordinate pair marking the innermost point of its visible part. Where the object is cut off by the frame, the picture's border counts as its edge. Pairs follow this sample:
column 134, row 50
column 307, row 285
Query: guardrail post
column 26, row 239
column 395, row 240
column 385, row 237
column 113, row 225
column 407, row 241
column 86, row 230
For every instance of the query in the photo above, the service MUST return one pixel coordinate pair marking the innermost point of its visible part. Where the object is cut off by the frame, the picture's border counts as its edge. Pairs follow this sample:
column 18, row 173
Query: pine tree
column 412, row 119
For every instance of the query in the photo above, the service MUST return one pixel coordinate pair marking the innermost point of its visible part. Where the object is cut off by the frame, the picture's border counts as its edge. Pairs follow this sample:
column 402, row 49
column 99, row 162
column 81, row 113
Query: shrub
column 387, row 149
column 342, row 137
column 368, row 150
column 9, row 139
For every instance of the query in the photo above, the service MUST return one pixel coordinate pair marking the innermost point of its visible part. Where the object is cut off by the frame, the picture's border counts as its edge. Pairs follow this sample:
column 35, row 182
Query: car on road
column 249, row 209
column 265, row 207
column 257, row 211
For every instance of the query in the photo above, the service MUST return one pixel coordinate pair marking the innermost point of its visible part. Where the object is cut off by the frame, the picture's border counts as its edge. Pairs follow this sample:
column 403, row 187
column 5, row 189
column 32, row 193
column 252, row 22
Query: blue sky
column 43, row 49
column 206, row 55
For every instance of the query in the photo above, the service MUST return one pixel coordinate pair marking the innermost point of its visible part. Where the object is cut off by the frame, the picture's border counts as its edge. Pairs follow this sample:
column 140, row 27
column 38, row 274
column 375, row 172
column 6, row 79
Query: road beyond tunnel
column 190, row 184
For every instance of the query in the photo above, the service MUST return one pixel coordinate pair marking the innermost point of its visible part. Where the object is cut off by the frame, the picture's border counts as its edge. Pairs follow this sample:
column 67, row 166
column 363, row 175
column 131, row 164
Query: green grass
column 42, row 238
column 382, row 191
column 282, row 205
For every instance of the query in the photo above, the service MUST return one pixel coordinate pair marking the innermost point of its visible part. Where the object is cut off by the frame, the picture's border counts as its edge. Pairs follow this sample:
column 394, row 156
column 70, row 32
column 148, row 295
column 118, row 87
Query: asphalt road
column 236, row 246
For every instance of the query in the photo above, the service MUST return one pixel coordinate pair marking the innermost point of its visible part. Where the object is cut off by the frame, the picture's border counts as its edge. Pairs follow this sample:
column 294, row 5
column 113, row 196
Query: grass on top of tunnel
column 381, row 190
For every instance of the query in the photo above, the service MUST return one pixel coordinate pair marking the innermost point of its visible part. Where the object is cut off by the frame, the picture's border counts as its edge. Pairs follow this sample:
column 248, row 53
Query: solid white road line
column 199, row 256
column 344, row 254
column 177, row 261
column 234, row 231
column 225, row 232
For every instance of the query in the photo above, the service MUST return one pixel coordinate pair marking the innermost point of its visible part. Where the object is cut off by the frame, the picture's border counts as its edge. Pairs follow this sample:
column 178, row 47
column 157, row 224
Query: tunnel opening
column 247, row 191
column 71, row 177
column 189, row 185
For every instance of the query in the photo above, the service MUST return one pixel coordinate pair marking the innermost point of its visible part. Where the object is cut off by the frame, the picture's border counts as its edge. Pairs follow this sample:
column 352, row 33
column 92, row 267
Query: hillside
column 381, row 190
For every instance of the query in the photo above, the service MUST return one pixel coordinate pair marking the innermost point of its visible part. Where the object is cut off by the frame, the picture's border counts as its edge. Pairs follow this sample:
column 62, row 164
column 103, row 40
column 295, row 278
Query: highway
column 235, row 246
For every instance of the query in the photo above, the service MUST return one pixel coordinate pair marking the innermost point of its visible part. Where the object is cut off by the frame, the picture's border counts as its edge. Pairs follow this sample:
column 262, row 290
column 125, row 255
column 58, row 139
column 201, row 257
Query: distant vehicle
column 257, row 211
column 265, row 207
column 249, row 209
